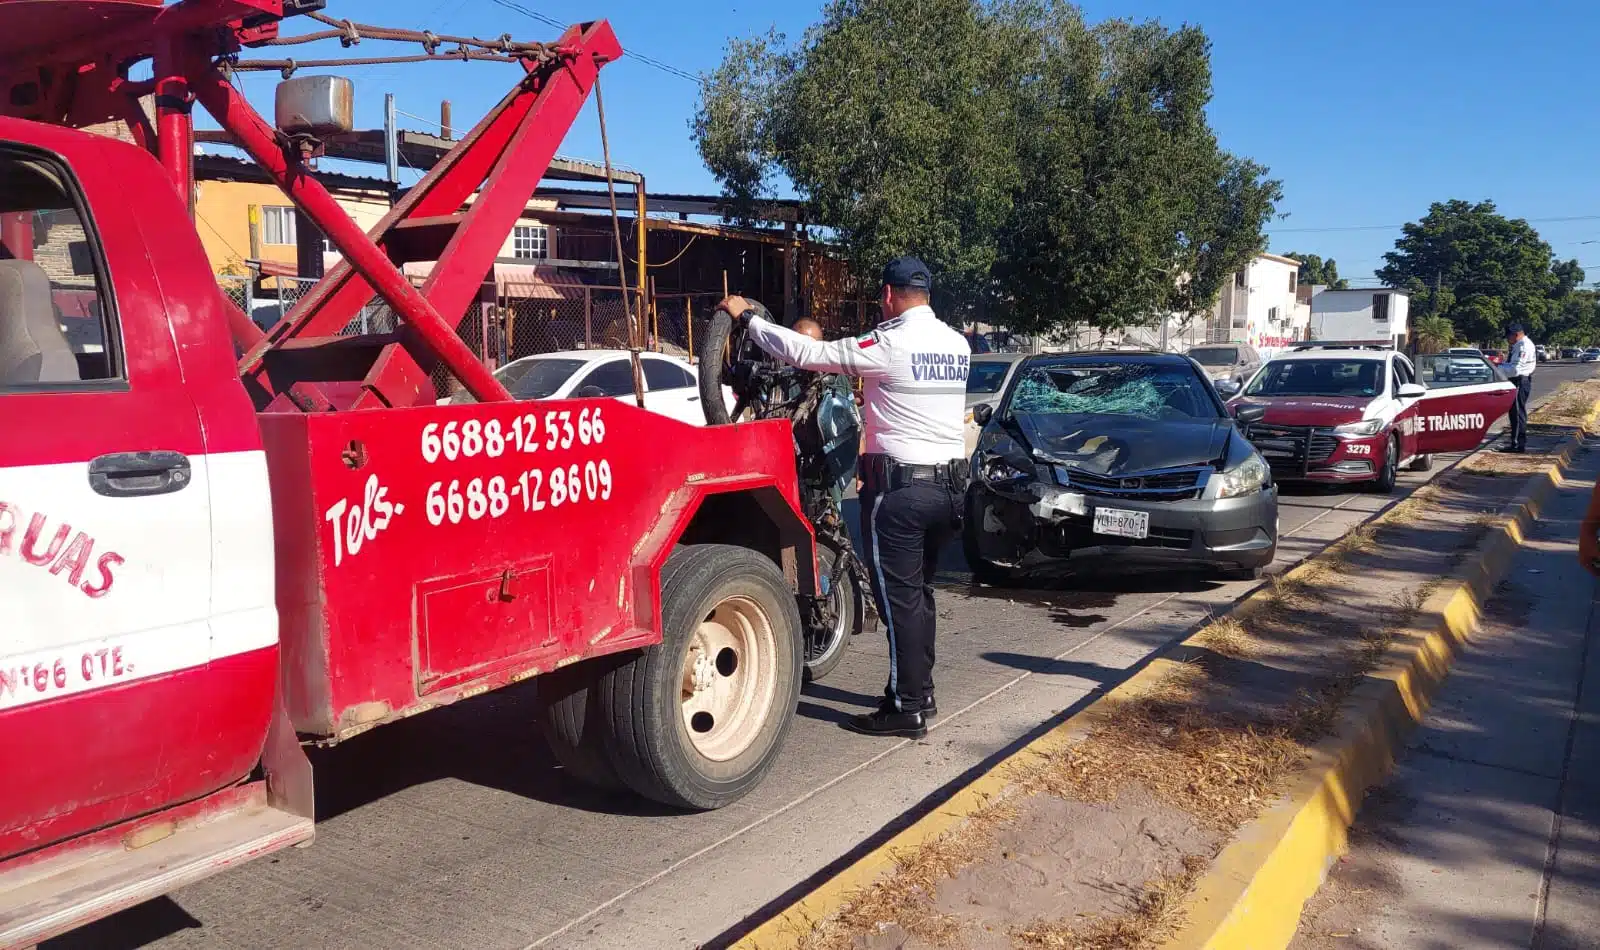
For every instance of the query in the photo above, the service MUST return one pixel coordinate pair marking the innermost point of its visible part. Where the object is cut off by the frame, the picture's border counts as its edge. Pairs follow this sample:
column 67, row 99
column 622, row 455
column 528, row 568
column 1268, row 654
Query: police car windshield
column 1143, row 390
column 1327, row 377
column 1215, row 355
column 986, row 376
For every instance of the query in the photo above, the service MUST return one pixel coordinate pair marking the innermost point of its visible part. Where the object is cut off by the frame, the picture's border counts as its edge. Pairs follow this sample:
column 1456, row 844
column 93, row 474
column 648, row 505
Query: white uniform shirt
column 1522, row 360
column 914, row 369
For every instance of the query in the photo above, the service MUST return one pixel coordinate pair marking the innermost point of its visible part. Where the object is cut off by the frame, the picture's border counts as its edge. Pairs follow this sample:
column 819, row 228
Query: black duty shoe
column 1513, row 450
column 884, row 722
column 930, row 708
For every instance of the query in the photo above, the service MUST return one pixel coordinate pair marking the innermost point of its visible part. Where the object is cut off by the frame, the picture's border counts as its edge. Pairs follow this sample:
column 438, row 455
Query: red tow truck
column 218, row 545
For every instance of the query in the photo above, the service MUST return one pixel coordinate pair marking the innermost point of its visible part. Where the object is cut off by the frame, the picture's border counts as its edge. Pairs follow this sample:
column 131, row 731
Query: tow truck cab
column 196, row 581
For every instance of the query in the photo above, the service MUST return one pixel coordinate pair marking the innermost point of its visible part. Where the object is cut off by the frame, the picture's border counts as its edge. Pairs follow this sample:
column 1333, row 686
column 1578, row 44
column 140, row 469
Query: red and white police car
column 1359, row 412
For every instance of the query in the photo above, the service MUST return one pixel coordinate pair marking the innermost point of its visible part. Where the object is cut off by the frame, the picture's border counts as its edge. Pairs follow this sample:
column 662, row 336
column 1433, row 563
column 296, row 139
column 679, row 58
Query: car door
column 106, row 540
column 1402, row 375
column 612, row 378
column 1464, row 398
column 673, row 391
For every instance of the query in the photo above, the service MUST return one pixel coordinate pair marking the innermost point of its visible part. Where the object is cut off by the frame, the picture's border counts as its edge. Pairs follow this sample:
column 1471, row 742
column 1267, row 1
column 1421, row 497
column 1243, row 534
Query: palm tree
column 1434, row 334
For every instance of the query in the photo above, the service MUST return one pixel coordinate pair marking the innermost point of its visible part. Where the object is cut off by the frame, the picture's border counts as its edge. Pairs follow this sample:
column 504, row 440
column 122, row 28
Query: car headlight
column 1247, row 478
column 996, row 469
column 1360, row 429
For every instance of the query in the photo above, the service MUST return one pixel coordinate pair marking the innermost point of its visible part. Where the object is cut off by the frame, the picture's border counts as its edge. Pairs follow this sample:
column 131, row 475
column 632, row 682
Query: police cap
column 907, row 272
column 1513, row 330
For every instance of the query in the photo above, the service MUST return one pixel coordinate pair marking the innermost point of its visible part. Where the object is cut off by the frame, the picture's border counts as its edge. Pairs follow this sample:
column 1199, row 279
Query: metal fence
column 266, row 301
column 526, row 320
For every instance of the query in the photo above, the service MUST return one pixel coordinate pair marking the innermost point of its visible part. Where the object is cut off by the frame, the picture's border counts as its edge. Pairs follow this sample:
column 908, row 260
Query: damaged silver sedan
column 1116, row 457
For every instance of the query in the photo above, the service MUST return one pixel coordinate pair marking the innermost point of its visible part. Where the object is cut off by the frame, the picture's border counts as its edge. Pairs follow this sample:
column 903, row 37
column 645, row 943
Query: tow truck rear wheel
column 697, row 720
column 564, row 703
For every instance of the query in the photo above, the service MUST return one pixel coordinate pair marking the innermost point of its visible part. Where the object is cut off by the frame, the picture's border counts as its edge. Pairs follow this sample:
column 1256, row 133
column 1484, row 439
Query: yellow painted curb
column 1252, row 896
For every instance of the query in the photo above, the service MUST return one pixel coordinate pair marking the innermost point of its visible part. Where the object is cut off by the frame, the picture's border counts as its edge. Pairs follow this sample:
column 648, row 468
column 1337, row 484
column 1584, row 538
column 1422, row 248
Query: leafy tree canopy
column 1052, row 172
column 1315, row 270
column 1481, row 270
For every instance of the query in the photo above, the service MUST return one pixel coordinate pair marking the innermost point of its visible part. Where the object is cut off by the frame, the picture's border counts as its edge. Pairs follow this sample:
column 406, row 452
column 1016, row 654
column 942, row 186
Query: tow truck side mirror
column 321, row 106
column 982, row 413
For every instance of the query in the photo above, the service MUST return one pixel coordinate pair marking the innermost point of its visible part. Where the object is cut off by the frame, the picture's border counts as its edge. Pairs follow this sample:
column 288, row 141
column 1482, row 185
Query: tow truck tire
column 565, row 706
column 1390, row 472
column 696, row 721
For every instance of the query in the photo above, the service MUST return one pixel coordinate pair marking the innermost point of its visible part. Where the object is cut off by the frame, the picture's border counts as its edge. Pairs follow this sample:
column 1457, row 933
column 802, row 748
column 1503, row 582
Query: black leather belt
column 881, row 473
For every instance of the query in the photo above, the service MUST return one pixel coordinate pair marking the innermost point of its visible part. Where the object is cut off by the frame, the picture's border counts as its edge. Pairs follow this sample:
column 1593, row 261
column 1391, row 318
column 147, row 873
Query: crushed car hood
column 1115, row 445
column 1309, row 410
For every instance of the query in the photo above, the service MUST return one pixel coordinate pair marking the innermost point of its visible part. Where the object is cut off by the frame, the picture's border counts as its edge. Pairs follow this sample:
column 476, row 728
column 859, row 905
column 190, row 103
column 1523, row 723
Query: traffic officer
column 1520, row 363
column 913, row 474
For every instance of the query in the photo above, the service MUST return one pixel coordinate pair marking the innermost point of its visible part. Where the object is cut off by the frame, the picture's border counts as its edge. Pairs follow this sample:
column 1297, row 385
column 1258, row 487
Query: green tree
column 1052, row 172
column 1315, row 270
column 1434, row 334
column 1489, row 270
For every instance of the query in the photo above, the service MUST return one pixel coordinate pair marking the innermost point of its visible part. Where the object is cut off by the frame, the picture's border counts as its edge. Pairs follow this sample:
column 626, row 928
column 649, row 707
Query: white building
column 1371, row 314
column 1262, row 306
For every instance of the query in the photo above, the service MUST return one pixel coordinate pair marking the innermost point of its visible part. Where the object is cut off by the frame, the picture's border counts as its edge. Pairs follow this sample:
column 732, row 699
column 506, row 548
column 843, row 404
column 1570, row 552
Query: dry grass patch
column 1157, row 915
column 1225, row 636
column 1220, row 770
column 904, row 898
column 1570, row 406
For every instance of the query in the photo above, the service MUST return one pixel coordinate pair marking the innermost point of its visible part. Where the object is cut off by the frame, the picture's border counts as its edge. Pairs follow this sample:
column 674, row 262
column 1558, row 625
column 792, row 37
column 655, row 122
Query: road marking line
column 896, row 747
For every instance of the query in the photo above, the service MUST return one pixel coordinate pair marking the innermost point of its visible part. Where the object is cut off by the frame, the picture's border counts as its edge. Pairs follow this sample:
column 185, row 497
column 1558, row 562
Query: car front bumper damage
column 1231, row 533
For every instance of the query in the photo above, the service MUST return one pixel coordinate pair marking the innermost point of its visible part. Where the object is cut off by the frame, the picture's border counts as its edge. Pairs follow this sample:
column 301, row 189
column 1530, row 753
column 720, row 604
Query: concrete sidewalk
column 1488, row 834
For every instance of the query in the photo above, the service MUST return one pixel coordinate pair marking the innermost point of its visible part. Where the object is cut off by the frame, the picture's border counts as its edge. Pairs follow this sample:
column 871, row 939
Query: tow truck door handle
column 132, row 474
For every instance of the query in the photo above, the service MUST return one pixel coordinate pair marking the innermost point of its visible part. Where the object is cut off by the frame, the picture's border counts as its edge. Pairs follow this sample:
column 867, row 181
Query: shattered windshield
column 1143, row 390
column 1362, row 378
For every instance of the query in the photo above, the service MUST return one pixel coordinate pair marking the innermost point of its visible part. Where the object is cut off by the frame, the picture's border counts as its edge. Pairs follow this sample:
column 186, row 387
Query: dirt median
column 1094, row 843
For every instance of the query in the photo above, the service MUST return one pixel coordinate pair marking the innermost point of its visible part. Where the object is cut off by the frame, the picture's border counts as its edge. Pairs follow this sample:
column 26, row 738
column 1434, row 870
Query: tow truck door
column 1465, row 396
column 105, row 520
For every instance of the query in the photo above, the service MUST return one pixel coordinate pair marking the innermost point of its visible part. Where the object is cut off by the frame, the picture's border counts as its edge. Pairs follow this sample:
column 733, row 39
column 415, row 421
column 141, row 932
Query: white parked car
column 672, row 386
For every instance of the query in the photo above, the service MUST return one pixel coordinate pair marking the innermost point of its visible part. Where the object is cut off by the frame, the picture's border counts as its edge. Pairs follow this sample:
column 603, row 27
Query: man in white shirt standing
column 1520, row 363
column 913, row 473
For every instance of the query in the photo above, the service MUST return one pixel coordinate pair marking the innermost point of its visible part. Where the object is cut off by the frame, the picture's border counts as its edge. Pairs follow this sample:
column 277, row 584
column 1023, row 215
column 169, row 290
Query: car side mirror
column 982, row 413
column 1412, row 390
column 1249, row 414
column 1228, row 387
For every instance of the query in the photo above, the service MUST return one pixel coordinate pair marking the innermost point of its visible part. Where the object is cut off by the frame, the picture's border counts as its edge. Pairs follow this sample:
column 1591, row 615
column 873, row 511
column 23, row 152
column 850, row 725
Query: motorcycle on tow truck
column 827, row 433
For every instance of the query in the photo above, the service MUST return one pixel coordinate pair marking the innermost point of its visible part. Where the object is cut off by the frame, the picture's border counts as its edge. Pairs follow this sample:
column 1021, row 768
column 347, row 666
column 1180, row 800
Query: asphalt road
column 454, row 829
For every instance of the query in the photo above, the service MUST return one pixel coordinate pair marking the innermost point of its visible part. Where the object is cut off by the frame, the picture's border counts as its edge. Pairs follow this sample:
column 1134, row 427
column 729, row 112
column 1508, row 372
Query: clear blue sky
column 1366, row 110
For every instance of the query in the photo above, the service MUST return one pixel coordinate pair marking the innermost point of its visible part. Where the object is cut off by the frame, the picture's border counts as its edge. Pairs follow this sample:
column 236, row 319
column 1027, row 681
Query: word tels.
column 21, row 534
column 363, row 522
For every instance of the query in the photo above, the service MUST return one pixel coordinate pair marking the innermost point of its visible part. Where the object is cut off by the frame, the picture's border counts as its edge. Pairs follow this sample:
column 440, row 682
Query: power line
column 667, row 68
column 1393, row 227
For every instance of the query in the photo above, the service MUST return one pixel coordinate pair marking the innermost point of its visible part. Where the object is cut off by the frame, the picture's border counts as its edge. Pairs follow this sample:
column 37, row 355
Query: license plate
column 1122, row 524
